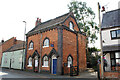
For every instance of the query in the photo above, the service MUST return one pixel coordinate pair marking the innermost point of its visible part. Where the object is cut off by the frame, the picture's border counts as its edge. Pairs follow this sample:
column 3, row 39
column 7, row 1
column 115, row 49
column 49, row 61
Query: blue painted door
column 54, row 66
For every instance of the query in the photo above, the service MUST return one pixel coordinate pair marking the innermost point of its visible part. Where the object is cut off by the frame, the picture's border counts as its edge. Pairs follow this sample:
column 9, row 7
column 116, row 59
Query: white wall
column 16, row 57
column 106, row 36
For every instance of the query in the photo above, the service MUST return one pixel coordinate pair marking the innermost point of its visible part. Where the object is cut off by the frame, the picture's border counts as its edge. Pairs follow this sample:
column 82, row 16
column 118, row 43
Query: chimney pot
column 2, row 41
column 38, row 21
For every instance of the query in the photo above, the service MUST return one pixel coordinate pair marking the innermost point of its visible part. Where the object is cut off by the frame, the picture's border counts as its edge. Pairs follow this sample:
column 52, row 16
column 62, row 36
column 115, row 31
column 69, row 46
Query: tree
column 85, row 19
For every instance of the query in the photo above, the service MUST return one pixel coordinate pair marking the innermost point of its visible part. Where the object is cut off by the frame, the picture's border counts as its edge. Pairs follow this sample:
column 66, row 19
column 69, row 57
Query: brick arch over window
column 35, row 53
column 31, row 44
column 46, row 42
column 52, row 52
column 69, row 60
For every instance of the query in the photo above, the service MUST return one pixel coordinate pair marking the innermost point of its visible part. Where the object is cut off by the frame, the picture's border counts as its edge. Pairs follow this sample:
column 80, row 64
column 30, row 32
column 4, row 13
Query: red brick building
column 54, row 45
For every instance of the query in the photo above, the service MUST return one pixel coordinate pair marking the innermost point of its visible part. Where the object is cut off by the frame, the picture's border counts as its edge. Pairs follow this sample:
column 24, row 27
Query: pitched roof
column 111, row 19
column 15, row 47
column 50, row 23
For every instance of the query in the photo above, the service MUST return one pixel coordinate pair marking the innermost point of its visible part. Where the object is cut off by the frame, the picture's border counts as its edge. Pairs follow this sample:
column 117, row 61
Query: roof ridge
column 112, row 10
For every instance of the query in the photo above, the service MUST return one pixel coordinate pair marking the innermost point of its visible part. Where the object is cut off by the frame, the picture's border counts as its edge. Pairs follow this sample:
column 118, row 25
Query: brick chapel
column 55, row 45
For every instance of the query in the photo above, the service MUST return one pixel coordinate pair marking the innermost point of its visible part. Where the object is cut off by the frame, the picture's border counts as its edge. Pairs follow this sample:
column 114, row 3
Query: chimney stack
column 2, row 41
column 38, row 21
column 15, row 40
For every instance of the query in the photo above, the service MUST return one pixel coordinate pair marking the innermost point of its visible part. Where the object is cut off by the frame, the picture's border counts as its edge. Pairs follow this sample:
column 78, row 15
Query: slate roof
column 50, row 23
column 16, row 47
column 111, row 19
column 111, row 48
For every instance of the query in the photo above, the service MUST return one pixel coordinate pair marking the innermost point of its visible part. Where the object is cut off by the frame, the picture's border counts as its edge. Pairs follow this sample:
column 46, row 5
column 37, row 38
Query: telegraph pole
column 23, row 45
column 102, row 72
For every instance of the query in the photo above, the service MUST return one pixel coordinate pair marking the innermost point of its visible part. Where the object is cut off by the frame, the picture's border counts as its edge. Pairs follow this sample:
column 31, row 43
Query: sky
column 14, row 12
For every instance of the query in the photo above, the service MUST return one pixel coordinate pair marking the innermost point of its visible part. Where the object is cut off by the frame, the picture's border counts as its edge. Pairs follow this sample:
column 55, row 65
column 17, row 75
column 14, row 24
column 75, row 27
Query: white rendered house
column 111, row 39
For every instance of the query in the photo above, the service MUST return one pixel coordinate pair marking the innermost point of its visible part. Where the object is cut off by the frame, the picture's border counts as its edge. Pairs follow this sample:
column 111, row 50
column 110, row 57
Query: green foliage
column 92, row 59
column 85, row 19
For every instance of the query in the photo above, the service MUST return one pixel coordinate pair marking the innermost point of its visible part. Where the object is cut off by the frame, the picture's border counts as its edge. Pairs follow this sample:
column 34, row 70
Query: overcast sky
column 14, row 12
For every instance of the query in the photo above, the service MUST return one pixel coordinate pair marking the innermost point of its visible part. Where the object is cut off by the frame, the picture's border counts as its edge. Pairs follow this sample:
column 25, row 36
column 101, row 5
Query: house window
column 45, row 61
column 118, row 33
column 46, row 43
column 69, row 61
column 115, row 34
column 117, row 56
column 31, row 45
column 30, row 62
column 71, row 26
column 115, row 59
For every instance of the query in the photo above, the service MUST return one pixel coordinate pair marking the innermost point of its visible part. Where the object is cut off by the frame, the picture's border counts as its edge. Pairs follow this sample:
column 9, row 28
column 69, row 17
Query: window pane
column 113, row 62
column 45, row 61
column 30, row 62
column 117, row 61
column 112, row 55
column 118, row 33
column 71, row 25
column 117, row 54
column 69, row 61
column 46, row 42
column 113, row 34
column 31, row 45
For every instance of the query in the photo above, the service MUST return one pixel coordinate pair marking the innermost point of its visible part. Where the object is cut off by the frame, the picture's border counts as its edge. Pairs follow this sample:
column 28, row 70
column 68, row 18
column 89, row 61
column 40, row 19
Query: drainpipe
column 40, row 52
column 77, row 54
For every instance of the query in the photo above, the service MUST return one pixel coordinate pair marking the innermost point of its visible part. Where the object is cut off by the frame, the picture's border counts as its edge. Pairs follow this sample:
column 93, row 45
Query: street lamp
column 23, row 43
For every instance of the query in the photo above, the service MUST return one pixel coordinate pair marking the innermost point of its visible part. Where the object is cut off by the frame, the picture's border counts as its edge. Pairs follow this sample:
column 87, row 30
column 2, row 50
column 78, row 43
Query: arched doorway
column 36, row 64
column 36, row 59
column 54, row 64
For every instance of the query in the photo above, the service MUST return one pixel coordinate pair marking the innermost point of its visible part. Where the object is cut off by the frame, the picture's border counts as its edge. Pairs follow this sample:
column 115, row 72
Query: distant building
column 111, row 40
column 54, row 45
column 5, row 45
column 14, row 57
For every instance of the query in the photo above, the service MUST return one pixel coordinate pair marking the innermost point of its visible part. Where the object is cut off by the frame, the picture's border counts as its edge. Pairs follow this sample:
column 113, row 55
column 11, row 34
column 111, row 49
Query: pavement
column 7, row 74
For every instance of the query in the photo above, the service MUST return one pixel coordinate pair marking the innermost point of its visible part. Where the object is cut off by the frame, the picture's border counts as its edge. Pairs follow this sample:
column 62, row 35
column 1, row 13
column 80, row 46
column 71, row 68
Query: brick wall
column 69, row 48
column 112, row 74
column 82, row 52
column 53, row 37
column 6, row 45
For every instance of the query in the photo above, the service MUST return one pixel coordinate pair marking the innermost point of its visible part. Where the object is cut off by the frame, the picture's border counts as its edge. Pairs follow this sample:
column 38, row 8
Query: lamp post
column 101, row 45
column 23, row 44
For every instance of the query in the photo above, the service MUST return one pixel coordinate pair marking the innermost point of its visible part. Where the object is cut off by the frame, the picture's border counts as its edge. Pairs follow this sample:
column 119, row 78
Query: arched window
column 71, row 26
column 69, row 61
column 45, row 61
column 31, row 45
column 46, row 43
column 30, row 62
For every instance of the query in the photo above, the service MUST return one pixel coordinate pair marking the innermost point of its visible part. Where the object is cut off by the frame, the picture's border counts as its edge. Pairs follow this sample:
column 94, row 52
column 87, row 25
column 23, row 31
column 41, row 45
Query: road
column 10, row 74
